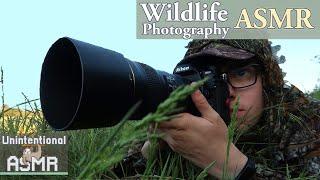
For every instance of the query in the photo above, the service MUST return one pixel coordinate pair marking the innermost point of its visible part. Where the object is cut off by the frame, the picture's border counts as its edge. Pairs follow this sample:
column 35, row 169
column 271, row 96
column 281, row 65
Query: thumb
column 203, row 106
column 145, row 148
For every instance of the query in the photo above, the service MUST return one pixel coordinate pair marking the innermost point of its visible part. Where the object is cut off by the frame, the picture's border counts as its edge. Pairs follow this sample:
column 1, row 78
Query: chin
column 247, row 121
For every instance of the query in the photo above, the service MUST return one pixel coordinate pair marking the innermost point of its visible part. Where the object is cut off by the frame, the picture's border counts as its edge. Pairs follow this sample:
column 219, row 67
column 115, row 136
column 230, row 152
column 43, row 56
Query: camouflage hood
column 235, row 51
column 288, row 133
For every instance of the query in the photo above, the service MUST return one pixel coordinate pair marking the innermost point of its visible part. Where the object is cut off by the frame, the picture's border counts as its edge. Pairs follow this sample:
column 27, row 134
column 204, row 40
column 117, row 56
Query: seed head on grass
column 171, row 105
column 230, row 135
column 138, row 132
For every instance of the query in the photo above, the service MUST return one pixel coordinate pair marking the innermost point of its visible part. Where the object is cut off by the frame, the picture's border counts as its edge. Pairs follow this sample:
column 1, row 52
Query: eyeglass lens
column 242, row 77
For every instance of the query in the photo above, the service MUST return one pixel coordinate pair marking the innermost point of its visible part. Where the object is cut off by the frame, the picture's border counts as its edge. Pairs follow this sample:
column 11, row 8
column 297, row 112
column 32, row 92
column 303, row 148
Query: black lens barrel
column 85, row 86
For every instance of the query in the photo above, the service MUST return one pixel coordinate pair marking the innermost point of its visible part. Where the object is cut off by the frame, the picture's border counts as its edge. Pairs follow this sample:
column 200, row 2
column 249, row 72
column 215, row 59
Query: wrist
column 236, row 162
column 248, row 171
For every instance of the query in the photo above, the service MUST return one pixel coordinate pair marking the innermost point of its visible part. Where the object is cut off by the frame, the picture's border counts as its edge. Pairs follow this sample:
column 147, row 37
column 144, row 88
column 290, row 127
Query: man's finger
column 203, row 106
column 169, row 140
column 145, row 149
column 176, row 123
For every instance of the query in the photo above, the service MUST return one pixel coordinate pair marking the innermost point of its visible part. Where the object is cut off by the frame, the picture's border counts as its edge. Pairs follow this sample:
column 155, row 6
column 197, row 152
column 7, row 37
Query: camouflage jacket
column 285, row 143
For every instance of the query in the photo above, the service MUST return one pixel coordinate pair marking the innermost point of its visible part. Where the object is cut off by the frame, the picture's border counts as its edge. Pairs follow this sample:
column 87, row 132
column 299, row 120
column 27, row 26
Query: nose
column 232, row 93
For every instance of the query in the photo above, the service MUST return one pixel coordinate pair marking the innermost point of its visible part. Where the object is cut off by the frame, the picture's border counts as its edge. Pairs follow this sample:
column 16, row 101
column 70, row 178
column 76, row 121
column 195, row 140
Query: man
column 281, row 126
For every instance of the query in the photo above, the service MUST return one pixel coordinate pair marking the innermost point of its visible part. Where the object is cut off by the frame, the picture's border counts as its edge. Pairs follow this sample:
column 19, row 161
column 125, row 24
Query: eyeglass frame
column 257, row 67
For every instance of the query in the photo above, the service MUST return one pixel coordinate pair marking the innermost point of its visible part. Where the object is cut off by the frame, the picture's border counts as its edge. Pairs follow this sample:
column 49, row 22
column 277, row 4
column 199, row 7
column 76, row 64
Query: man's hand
column 202, row 140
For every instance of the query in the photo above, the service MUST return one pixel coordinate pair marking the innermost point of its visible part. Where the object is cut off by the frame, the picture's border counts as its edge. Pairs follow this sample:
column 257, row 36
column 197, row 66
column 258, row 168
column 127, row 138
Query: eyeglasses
column 243, row 77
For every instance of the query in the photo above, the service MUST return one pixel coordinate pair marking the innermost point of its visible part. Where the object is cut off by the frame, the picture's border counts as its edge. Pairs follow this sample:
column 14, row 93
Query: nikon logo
column 182, row 69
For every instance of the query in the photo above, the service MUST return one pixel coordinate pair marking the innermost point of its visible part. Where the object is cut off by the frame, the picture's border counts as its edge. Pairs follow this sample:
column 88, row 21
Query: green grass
column 93, row 152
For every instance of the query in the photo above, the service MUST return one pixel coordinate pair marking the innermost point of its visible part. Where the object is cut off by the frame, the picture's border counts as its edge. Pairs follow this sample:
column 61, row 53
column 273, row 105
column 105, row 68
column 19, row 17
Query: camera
column 85, row 86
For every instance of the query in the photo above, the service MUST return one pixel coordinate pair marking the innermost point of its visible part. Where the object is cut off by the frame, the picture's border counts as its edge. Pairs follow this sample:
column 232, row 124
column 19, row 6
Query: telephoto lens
column 85, row 86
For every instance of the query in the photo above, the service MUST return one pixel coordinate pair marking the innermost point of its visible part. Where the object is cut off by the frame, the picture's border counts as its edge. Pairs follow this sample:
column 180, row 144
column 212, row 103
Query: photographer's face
column 250, row 98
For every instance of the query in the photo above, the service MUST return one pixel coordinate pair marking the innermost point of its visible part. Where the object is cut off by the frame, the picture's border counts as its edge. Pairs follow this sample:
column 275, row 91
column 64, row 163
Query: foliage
column 316, row 92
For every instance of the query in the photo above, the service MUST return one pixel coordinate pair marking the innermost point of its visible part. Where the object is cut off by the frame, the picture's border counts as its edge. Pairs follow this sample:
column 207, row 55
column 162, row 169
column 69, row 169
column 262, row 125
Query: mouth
column 240, row 112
